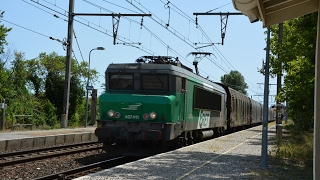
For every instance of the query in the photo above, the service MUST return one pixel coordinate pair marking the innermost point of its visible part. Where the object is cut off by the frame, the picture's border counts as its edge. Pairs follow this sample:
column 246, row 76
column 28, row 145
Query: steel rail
column 2, row 155
column 102, row 164
column 18, row 161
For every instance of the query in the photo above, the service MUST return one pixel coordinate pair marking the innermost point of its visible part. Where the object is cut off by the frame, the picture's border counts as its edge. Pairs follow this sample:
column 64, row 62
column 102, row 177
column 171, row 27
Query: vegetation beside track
column 293, row 158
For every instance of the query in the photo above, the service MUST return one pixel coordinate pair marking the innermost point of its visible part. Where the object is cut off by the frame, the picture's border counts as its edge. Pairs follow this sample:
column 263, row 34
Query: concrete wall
column 46, row 141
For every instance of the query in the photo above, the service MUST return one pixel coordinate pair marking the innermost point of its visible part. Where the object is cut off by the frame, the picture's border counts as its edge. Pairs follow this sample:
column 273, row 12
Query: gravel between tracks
column 234, row 156
column 45, row 167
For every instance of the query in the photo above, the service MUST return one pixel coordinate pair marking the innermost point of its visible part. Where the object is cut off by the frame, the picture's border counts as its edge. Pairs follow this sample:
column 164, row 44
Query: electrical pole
column 65, row 110
column 264, row 150
column 223, row 20
column 278, row 105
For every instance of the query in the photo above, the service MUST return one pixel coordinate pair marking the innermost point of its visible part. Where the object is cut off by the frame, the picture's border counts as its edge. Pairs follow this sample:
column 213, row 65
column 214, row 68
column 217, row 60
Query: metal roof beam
column 275, row 13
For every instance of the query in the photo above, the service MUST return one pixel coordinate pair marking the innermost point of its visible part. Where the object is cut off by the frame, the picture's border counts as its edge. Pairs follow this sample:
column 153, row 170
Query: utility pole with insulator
column 66, row 95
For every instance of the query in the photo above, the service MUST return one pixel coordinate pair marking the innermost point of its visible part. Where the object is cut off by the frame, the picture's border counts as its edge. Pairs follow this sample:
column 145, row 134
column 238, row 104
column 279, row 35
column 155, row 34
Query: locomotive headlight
column 153, row 115
column 111, row 113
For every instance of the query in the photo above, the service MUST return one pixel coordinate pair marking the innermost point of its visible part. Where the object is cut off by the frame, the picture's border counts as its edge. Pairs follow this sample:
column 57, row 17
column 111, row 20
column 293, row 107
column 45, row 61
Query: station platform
column 16, row 140
column 234, row 156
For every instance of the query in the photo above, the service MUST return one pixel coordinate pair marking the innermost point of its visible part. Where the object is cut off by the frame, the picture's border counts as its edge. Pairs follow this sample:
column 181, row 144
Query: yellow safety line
column 207, row 162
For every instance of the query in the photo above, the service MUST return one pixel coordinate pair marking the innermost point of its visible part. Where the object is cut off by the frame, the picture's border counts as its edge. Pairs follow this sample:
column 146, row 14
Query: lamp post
column 87, row 87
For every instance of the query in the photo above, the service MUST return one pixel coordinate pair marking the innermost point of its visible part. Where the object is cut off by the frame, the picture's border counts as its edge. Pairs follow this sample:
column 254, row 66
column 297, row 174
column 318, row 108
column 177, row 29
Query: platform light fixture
column 89, row 87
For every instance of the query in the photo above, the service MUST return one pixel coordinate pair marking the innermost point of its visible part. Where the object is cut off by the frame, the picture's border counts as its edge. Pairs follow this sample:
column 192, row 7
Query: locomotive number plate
column 131, row 116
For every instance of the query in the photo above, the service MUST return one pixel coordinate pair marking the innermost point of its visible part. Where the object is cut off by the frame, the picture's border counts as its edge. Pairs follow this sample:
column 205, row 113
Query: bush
column 296, row 146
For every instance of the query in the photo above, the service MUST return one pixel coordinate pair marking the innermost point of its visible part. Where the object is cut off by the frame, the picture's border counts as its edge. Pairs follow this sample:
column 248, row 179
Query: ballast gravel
column 44, row 167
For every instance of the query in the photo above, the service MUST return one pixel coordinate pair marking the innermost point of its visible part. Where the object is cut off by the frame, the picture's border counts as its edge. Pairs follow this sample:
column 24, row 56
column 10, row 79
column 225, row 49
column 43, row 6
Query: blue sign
column 89, row 87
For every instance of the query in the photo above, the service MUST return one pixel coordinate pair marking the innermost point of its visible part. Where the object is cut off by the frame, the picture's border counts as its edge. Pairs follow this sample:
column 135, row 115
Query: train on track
column 158, row 99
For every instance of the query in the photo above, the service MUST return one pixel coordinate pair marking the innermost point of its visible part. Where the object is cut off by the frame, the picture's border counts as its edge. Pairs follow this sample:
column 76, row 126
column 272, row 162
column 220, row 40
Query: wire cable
column 62, row 42
column 148, row 51
column 121, row 6
column 218, row 7
column 78, row 44
column 88, row 25
column 224, row 58
column 26, row 28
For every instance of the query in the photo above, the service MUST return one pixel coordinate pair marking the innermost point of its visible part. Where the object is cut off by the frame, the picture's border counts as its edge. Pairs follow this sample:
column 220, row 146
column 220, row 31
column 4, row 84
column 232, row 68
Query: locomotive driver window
column 121, row 81
column 155, row 82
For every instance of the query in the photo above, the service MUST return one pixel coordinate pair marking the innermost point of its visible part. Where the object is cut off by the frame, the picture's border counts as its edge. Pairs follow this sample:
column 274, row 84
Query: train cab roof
column 162, row 65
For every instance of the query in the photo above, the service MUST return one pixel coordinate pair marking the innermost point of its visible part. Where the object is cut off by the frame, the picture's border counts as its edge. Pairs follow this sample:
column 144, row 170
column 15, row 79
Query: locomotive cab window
column 121, row 81
column 155, row 82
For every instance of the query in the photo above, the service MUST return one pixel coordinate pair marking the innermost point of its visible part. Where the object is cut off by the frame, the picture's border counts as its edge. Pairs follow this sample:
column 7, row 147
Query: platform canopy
column 275, row 11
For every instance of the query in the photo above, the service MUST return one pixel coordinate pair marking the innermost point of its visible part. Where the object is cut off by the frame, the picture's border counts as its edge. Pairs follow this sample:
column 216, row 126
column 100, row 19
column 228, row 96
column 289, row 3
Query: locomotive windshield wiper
column 153, row 72
column 159, row 80
column 119, row 79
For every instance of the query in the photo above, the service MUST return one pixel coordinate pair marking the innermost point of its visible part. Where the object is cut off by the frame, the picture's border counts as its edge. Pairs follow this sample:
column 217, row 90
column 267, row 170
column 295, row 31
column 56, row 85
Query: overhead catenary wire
column 149, row 51
column 120, row 6
column 163, row 25
column 75, row 37
column 210, row 59
column 180, row 36
column 26, row 28
column 143, row 49
column 62, row 42
column 179, row 11
column 146, row 50
column 203, row 32
column 218, row 7
column 153, row 35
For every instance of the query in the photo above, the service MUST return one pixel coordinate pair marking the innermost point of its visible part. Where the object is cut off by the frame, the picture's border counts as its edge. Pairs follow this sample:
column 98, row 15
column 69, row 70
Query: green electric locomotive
column 157, row 99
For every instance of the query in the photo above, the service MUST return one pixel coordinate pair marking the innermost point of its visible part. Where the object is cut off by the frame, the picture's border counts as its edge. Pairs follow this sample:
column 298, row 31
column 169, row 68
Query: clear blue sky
column 242, row 49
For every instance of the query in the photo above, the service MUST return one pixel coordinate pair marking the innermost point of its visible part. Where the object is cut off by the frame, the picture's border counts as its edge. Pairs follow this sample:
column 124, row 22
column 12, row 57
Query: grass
column 296, row 146
column 292, row 159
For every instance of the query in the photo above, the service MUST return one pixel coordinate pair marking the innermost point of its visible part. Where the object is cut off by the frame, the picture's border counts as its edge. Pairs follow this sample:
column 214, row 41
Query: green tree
column 35, row 77
column 76, row 100
column 36, row 87
column 53, row 68
column 19, row 74
column 54, row 85
column 6, row 83
column 5, row 80
column 297, row 61
column 3, row 33
column 236, row 81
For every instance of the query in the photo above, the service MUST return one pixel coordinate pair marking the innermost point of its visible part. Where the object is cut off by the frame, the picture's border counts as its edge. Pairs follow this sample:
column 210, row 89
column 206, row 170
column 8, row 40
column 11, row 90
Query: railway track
column 12, row 158
column 91, row 168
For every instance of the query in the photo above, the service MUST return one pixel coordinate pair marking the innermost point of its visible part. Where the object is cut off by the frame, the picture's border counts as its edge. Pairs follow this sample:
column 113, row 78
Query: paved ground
column 36, row 133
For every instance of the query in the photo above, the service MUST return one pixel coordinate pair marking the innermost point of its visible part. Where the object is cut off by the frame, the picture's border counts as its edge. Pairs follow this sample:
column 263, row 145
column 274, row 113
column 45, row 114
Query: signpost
column 89, row 88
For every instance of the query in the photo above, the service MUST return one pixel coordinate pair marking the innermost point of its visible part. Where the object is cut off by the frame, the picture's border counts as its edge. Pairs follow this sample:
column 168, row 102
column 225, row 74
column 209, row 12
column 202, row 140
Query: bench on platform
column 22, row 125
column 22, row 122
